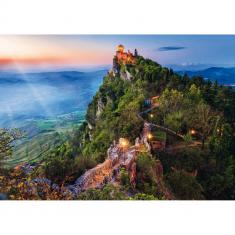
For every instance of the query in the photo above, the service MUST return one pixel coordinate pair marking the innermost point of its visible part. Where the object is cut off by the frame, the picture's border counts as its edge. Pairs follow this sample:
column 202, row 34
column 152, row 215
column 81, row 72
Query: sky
column 59, row 51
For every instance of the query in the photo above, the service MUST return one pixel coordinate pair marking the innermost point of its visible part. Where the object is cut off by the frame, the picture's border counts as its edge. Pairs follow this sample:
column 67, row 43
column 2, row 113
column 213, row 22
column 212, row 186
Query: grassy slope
column 50, row 134
column 34, row 150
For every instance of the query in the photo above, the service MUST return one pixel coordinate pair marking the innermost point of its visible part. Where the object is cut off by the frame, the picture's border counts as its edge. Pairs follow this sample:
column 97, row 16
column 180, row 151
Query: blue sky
column 96, row 50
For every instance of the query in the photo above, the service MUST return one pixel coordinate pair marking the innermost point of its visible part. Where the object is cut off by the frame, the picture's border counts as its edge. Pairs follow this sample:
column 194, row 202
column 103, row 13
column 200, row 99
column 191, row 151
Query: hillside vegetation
column 200, row 165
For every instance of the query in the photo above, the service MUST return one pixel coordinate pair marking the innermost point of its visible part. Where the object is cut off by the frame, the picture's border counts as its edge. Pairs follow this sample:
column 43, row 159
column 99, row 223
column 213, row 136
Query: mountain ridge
column 50, row 76
column 223, row 75
column 166, row 134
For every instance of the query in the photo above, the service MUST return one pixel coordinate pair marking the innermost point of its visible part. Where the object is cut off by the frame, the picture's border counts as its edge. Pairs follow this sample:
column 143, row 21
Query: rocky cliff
column 113, row 114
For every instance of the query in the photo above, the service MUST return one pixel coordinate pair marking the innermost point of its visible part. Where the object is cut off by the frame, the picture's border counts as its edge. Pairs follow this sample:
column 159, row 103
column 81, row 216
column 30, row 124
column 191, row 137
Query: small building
column 153, row 101
column 122, row 57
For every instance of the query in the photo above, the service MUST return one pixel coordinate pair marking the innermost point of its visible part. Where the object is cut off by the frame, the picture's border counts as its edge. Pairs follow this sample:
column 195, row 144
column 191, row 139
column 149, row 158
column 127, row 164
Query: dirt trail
column 106, row 171
column 118, row 157
column 162, row 128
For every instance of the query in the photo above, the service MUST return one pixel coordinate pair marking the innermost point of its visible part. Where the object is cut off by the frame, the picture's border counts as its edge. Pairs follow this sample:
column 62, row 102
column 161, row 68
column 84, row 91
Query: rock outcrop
column 119, row 157
column 106, row 171
column 125, row 75
column 100, row 108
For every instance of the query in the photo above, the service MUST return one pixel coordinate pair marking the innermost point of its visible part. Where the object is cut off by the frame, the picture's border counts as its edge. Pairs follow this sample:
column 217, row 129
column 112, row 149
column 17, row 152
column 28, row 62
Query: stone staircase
column 106, row 171
column 118, row 157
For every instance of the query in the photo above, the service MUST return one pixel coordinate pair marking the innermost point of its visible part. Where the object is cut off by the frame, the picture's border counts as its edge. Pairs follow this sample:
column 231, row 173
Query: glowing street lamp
column 149, row 136
column 193, row 132
column 123, row 142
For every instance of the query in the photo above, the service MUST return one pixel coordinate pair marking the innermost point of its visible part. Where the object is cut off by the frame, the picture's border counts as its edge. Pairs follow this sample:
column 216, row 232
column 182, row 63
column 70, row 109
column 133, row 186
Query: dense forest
column 200, row 165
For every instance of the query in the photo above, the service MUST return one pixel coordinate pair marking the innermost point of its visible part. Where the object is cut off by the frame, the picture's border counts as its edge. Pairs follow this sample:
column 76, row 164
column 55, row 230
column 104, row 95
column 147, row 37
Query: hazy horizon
column 57, row 52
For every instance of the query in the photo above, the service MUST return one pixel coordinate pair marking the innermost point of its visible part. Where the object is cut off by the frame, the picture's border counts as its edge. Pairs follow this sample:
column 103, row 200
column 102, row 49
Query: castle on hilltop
column 122, row 57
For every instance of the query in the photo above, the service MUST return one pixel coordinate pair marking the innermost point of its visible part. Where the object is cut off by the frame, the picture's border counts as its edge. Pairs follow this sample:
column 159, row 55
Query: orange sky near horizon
column 59, row 51
column 50, row 50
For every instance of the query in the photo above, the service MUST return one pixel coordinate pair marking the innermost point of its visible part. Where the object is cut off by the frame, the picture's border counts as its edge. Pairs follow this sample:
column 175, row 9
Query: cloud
column 170, row 48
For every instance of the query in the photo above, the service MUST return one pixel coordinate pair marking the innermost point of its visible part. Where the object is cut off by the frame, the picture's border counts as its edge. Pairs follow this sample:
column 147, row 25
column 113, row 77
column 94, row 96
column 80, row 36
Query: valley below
column 139, row 131
column 45, row 107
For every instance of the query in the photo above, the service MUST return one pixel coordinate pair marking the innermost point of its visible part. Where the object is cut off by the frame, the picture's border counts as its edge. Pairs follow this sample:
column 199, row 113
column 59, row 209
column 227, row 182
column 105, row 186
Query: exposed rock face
column 117, row 158
column 100, row 108
column 159, row 171
column 90, row 136
column 106, row 171
column 129, row 76
column 116, row 66
column 162, row 188
column 89, row 125
column 133, row 175
column 126, row 75
column 94, row 177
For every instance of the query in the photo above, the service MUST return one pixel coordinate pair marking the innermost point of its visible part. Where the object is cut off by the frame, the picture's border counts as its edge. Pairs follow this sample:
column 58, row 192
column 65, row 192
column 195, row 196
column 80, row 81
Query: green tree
column 7, row 138
column 171, row 101
column 124, row 177
column 194, row 94
column 174, row 120
column 185, row 186
column 204, row 121
column 108, row 192
column 143, row 196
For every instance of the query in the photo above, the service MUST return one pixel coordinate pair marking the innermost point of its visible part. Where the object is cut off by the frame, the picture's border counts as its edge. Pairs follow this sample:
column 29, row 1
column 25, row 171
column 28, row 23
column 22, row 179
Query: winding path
column 162, row 128
column 106, row 171
column 118, row 158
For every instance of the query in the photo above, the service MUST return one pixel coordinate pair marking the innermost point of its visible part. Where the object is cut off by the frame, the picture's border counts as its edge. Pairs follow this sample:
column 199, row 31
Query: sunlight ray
column 10, row 116
column 32, row 88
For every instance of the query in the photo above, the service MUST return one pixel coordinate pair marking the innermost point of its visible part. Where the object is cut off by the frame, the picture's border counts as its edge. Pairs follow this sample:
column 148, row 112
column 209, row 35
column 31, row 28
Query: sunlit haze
column 57, row 51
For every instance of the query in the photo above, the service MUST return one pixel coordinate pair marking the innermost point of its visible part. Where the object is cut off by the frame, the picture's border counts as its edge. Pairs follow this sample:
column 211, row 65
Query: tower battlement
column 122, row 57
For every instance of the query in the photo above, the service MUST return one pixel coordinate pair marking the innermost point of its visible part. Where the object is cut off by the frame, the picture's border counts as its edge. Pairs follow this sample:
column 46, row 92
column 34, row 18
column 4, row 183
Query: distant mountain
column 36, row 96
column 191, row 66
column 225, row 76
column 49, row 77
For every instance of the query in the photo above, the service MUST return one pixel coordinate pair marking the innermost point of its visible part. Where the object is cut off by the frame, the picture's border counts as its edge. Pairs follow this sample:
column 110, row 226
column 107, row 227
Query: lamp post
column 193, row 132
column 149, row 136
column 123, row 143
